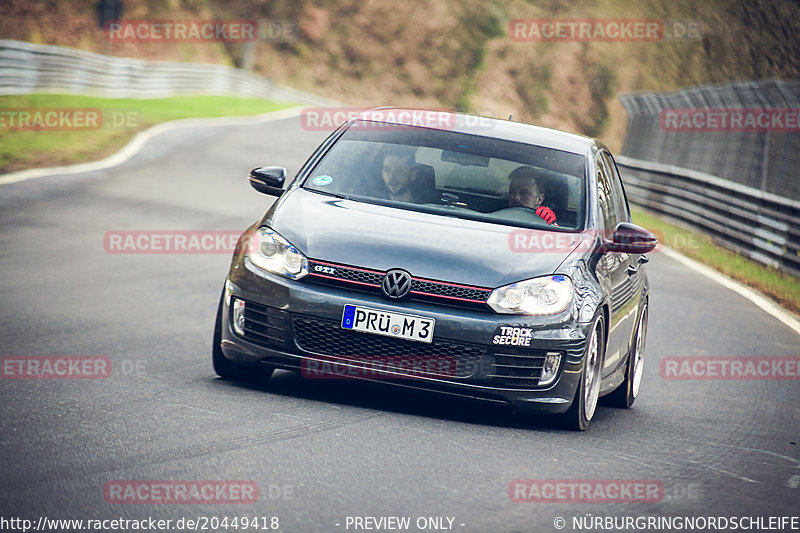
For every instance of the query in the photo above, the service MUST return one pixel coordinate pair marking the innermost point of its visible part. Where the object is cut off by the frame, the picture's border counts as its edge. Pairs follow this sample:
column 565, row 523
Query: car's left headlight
column 548, row 295
column 270, row 252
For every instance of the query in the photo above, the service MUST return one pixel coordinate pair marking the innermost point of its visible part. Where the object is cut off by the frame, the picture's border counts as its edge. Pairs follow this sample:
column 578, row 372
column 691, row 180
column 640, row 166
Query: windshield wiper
column 329, row 193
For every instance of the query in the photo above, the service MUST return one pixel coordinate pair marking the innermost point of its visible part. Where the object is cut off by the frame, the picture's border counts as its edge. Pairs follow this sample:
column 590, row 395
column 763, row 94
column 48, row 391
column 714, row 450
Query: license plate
column 379, row 322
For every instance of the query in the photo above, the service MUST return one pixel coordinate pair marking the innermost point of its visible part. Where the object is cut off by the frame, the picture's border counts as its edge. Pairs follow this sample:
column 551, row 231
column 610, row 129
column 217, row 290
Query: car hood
column 430, row 246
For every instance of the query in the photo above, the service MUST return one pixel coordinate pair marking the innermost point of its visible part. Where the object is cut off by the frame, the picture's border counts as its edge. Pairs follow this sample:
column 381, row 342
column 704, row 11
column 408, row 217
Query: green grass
column 781, row 287
column 48, row 147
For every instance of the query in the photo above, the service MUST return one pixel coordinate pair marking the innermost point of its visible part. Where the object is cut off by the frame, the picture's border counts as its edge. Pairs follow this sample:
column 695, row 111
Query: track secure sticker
column 322, row 180
column 510, row 336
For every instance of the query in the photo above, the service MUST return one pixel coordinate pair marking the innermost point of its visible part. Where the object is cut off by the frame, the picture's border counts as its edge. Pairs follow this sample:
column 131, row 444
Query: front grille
column 447, row 290
column 428, row 290
column 504, row 366
column 326, row 337
column 267, row 326
column 334, row 272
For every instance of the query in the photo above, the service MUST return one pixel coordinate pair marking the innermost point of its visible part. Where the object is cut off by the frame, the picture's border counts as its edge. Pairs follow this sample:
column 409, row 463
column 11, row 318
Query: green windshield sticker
column 322, row 180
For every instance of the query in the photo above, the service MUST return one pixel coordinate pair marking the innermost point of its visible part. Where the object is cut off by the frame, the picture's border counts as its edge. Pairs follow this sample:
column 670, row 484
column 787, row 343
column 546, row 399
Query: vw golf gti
column 469, row 256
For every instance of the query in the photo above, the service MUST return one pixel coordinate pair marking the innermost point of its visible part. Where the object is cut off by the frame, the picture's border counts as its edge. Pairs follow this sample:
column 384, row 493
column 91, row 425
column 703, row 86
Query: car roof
column 483, row 126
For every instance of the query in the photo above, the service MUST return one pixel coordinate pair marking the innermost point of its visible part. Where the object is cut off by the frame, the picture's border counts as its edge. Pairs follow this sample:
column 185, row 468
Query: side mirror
column 631, row 239
column 268, row 180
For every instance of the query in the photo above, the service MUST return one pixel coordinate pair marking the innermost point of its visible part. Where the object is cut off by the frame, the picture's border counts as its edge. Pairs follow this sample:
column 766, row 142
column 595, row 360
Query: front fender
column 589, row 294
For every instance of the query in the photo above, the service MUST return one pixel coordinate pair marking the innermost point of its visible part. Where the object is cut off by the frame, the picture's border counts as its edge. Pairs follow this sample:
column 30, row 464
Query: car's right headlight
column 547, row 295
column 268, row 251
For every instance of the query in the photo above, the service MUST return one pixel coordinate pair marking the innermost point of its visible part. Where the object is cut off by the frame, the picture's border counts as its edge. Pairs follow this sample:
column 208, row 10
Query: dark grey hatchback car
column 469, row 256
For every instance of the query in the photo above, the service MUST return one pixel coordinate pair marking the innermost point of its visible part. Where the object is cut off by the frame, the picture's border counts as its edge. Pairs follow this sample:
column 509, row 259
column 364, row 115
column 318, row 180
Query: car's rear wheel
column 627, row 392
column 227, row 369
column 585, row 402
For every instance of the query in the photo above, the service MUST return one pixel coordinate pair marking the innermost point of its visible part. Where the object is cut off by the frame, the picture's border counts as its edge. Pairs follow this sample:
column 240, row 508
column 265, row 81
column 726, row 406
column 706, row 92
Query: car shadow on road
column 405, row 401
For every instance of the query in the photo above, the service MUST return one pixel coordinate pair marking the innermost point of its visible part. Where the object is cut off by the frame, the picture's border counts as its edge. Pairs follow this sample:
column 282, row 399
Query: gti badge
column 324, row 269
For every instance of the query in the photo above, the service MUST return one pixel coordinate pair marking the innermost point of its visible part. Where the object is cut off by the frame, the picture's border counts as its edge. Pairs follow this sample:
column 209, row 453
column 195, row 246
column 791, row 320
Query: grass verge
column 781, row 287
column 120, row 119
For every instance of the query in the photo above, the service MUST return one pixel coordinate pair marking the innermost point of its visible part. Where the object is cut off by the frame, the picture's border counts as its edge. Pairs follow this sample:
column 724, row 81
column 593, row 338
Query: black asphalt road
column 323, row 451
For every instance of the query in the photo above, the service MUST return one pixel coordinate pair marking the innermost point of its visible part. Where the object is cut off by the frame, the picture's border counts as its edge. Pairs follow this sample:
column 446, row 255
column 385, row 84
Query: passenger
column 397, row 175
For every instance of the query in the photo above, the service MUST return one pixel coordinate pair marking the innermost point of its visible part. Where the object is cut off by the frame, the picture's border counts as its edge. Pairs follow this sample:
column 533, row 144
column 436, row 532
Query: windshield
column 455, row 174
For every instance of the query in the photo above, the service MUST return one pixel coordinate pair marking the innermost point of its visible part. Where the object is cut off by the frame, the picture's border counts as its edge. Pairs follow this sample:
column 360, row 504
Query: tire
column 227, row 369
column 628, row 390
column 584, row 404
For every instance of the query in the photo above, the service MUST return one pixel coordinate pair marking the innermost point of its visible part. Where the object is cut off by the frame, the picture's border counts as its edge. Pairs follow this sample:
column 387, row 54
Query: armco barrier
column 757, row 224
column 33, row 68
column 724, row 159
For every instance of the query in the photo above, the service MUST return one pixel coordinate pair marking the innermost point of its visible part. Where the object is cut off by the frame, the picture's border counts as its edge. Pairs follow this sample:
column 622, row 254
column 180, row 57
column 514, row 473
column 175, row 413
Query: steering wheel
column 519, row 214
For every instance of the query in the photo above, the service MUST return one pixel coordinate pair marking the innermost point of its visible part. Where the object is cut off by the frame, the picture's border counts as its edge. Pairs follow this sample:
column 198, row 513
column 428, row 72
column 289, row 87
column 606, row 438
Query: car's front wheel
column 585, row 402
column 227, row 369
column 627, row 392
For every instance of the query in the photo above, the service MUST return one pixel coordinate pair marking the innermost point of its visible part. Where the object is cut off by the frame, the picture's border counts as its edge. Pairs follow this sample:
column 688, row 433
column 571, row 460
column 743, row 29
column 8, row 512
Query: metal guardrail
column 33, row 68
column 757, row 224
column 740, row 187
column 28, row 68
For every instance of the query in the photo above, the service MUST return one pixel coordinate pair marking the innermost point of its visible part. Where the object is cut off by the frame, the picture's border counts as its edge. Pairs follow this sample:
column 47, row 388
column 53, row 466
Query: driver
column 524, row 190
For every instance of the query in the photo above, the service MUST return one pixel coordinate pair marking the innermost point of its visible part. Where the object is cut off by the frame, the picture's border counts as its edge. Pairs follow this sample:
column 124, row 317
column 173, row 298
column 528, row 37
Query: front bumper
column 295, row 325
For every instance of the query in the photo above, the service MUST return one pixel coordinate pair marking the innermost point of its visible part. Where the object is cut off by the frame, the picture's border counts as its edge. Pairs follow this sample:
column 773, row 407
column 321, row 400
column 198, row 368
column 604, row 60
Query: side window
column 620, row 201
column 605, row 198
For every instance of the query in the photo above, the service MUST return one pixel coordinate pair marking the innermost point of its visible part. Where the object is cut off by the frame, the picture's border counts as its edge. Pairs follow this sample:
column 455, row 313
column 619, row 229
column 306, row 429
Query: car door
column 625, row 297
column 611, row 267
